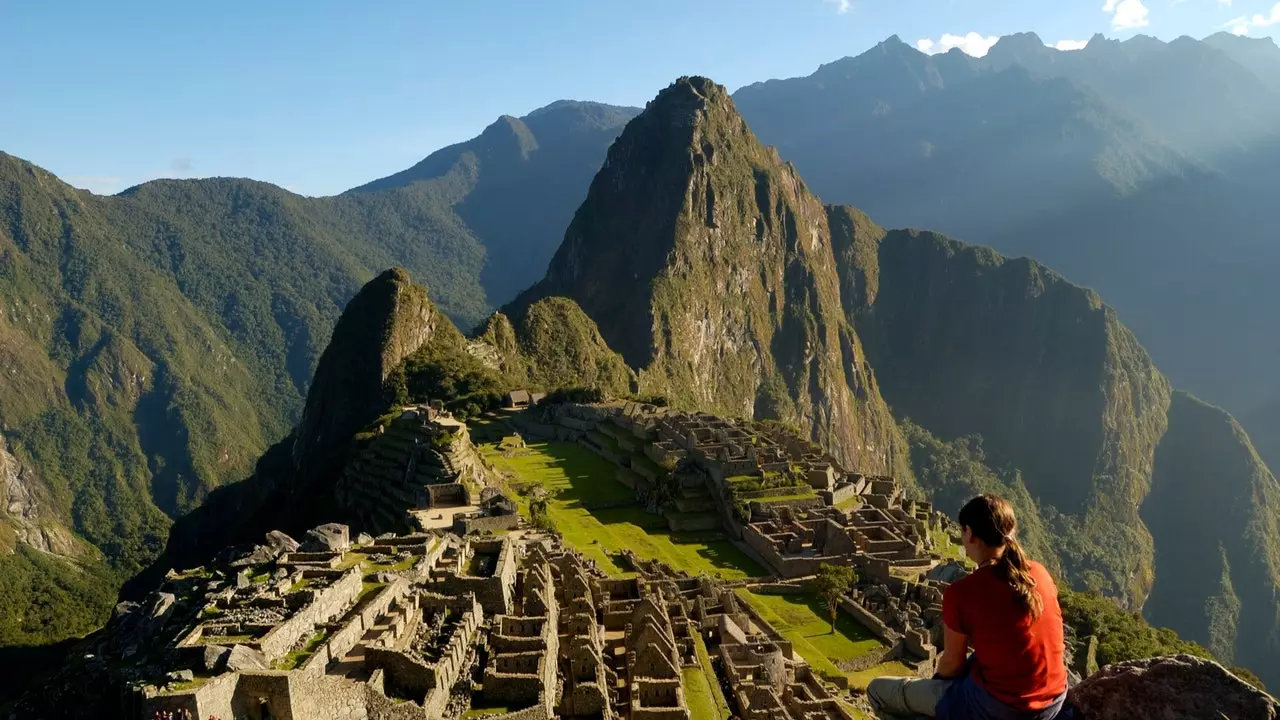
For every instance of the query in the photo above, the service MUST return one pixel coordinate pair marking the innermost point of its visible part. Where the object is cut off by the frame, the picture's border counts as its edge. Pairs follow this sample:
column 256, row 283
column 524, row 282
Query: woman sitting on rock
column 1007, row 611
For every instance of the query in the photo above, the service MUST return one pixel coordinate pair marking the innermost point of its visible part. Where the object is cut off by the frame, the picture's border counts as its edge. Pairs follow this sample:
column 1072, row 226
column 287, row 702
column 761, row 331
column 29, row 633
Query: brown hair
column 990, row 519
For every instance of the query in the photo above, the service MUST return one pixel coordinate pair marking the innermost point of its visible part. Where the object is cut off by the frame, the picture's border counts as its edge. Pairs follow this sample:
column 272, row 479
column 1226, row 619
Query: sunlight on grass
column 804, row 621
column 580, row 480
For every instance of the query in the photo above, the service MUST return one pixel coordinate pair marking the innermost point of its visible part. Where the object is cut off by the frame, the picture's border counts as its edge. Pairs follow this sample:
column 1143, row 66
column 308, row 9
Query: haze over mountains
column 156, row 343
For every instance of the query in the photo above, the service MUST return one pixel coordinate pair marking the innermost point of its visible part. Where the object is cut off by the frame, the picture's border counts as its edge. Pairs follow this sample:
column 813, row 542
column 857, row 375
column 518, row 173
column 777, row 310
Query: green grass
column 297, row 657
column 702, row 689
column 401, row 566
column 352, row 559
column 803, row 620
column 859, row 680
column 579, row 478
column 781, row 498
column 485, row 712
column 367, row 589
column 850, row 504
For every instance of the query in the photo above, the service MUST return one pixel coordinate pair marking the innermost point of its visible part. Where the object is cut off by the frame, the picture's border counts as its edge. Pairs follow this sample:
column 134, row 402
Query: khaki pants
column 906, row 697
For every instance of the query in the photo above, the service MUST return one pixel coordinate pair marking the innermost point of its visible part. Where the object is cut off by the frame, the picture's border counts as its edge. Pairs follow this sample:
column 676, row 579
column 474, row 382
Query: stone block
column 331, row 537
column 281, row 543
column 215, row 658
column 243, row 658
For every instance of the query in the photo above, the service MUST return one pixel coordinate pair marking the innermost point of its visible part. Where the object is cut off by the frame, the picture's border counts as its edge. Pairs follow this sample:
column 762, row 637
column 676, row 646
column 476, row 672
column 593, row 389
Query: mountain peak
column 1020, row 41
column 708, row 265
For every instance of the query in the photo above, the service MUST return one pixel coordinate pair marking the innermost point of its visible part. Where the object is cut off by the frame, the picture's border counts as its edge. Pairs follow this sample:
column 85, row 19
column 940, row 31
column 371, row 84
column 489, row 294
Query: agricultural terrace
column 597, row 515
column 803, row 620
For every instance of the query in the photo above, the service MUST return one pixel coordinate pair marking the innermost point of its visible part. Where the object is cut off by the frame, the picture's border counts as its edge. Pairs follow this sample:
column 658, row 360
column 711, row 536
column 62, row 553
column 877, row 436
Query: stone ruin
column 421, row 460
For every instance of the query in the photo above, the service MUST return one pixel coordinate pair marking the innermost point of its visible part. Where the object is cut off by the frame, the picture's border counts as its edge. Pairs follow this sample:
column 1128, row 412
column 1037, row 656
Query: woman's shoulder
column 1042, row 574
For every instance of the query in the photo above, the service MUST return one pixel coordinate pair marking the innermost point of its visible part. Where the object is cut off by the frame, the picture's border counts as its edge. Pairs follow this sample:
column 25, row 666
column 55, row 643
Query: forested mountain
column 1140, row 168
column 728, row 286
column 154, row 343
column 709, row 266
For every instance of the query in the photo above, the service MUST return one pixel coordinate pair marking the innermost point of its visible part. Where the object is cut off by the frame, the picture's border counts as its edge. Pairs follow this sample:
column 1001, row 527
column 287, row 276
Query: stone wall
column 537, row 712
column 466, row 525
column 327, row 604
column 272, row 687
column 448, row 495
column 872, row 623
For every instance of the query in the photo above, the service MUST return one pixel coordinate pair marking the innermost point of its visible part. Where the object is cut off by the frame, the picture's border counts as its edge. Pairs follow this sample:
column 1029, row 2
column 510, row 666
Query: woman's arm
column 955, row 648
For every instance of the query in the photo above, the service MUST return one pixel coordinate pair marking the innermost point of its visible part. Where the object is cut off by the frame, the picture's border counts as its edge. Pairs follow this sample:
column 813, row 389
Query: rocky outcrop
column 1182, row 687
column 292, row 487
column 22, row 510
column 705, row 261
column 553, row 344
column 382, row 325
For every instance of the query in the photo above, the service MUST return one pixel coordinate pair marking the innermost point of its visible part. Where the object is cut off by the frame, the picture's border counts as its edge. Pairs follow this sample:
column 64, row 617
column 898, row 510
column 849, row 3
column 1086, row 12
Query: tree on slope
column 832, row 583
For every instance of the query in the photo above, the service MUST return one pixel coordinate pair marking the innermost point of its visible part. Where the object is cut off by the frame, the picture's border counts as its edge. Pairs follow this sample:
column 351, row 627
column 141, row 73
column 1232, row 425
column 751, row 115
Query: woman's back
column 1018, row 660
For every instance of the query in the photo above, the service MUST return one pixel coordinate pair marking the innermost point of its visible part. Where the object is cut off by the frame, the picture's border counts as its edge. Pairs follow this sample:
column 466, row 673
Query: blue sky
column 320, row 96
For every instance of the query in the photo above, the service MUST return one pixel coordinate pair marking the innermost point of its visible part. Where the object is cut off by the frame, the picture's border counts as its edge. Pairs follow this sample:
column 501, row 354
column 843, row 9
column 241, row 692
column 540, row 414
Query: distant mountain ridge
column 1140, row 168
column 518, row 184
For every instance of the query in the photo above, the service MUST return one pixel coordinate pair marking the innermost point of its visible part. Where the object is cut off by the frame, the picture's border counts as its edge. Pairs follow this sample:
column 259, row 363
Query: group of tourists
column 183, row 714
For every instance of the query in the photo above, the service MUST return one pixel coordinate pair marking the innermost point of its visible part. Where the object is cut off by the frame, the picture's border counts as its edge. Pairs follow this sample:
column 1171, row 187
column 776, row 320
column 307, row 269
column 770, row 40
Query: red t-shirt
column 1018, row 660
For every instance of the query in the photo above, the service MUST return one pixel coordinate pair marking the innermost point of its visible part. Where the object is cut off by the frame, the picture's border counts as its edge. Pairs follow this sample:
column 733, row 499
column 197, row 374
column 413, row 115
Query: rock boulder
column 242, row 657
column 1182, row 687
column 281, row 543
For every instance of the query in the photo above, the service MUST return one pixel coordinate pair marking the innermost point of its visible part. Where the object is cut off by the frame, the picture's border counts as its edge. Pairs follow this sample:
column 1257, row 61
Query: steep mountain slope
column 517, row 184
column 1261, row 56
column 708, row 265
column 1142, row 169
column 155, row 342
column 964, row 341
column 932, row 141
column 291, row 487
column 1217, row 543
column 1089, row 435
column 1233, row 111
column 555, row 345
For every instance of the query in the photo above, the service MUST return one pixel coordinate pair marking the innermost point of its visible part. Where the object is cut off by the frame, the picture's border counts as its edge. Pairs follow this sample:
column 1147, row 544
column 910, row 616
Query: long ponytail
column 990, row 518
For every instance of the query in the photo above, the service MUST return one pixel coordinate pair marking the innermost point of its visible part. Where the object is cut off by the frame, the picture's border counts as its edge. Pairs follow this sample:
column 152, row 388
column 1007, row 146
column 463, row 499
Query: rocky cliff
column 707, row 263
column 291, row 488
column 1214, row 511
column 1148, row 495
column 554, row 344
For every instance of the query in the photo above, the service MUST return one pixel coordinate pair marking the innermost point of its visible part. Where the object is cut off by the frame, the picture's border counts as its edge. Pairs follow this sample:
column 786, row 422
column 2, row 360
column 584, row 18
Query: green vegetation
column 443, row 369
column 831, row 584
column 703, row 682
column 555, row 346
column 579, row 481
column 802, row 619
column 297, row 657
column 759, row 322
column 46, row 599
column 1121, row 635
column 952, row 473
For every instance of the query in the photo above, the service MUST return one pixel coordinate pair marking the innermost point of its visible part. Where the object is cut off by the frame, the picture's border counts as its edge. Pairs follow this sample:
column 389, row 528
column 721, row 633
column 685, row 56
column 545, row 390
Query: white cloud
column 971, row 44
column 1269, row 19
column 1243, row 24
column 1070, row 44
column 1127, row 14
column 96, row 184
column 842, row 6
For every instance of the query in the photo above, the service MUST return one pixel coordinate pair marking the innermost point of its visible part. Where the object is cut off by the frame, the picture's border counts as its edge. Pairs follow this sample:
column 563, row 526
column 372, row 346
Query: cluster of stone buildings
column 776, row 494
column 434, row 622
column 418, row 467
